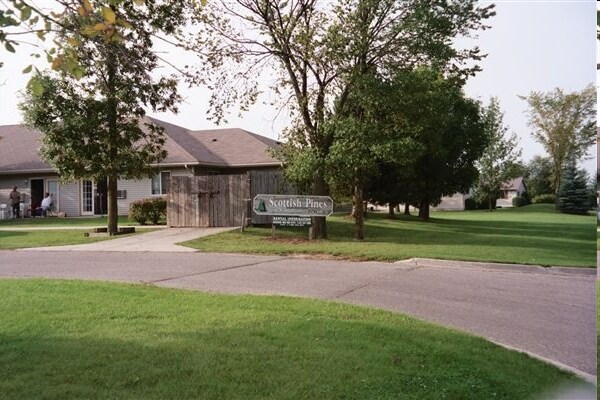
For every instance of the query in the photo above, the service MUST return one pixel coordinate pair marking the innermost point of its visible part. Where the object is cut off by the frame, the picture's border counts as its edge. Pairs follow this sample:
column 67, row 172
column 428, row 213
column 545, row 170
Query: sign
column 280, row 220
column 293, row 205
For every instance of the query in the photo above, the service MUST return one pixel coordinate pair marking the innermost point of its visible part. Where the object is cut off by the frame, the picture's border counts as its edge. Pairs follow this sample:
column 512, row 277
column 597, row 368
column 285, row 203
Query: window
column 160, row 182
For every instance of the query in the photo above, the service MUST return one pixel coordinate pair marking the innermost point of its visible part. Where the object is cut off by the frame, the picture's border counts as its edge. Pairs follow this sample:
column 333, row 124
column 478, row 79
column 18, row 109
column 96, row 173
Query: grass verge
column 70, row 339
column 535, row 234
column 21, row 239
column 55, row 221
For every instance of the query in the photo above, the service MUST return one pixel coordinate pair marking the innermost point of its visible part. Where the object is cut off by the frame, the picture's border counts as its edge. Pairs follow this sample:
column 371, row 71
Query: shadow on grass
column 289, row 361
column 452, row 232
column 69, row 339
column 6, row 234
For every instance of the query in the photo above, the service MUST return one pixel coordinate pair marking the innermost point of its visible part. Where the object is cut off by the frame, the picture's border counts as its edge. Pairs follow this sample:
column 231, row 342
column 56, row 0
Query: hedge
column 145, row 210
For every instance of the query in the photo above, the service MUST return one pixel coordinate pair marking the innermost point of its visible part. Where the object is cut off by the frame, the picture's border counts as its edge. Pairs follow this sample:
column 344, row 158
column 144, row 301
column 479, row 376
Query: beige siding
column 508, row 201
column 136, row 190
column 69, row 198
column 6, row 185
column 142, row 189
column 68, row 194
column 454, row 202
column 181, row 172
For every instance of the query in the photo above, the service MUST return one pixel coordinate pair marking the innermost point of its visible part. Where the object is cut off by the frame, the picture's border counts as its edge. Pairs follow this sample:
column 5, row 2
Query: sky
column 531, row 46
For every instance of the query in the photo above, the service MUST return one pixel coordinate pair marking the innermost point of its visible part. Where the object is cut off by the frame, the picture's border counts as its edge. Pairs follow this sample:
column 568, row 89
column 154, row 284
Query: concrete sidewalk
column 162, row 240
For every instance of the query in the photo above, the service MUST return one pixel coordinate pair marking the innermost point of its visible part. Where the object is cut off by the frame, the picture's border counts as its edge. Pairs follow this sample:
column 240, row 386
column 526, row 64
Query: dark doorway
column 100, row 200
column 37, row 192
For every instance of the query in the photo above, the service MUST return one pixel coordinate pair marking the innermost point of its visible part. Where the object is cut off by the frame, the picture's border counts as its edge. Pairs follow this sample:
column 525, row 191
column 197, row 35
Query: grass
column 535, row 234
column 55, row 221
column 70, row 339
column 21, row 239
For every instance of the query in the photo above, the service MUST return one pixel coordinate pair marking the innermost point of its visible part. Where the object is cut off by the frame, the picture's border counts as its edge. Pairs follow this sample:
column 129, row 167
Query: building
column 510, row 190
column 190, row 153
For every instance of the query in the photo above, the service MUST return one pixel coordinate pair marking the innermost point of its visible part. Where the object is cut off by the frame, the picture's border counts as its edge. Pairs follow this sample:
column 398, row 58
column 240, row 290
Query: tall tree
column 319, row 50
column 370, row 129
column 496, row 165
column 565, row 124
column 538, row 176
column 448, row 131
column 92, row 122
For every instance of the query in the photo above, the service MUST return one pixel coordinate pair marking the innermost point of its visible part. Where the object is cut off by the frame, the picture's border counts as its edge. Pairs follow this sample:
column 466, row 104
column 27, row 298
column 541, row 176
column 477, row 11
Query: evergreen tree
column 573, row 194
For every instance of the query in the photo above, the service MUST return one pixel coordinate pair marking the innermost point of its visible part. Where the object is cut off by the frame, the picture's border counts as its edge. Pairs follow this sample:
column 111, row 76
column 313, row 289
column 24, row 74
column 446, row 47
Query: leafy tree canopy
column 565, row 124
column 497, row 163
column 92, row 120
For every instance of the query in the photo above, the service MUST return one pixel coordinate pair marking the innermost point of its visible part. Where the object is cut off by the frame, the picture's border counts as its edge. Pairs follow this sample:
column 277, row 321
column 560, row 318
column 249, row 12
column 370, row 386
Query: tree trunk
column 111, row 173
column 424, row 210
column 113, row 213
column 391, row 213
column 406, row 209
column 318, row 229
column 359, row 221
column 489, row 203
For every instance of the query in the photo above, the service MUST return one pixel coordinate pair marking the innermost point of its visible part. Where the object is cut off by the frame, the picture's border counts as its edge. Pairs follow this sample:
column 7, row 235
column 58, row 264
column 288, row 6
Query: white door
column 87, row 198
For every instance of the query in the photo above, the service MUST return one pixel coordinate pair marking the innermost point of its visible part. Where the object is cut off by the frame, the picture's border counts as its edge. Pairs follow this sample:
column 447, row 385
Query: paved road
column 549, row 314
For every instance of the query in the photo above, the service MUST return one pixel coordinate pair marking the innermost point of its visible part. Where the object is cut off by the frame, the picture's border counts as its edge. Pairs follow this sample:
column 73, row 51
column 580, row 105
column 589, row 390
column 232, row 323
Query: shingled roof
column 512, row 184
column 216, row 147
column 19, row 150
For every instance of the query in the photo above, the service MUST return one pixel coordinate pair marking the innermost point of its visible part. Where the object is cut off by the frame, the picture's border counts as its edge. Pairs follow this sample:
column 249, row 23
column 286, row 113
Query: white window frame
column 55, row 199
column 159, row 175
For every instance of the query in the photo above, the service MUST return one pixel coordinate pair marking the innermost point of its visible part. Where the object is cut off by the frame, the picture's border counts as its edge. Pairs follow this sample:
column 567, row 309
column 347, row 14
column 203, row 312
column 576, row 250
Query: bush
column 145, row 210
column 520, row 201
column 470, row 204
column 544, row 199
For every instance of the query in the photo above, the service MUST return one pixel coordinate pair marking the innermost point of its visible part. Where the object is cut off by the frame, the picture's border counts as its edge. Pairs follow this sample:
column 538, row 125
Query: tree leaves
column 9, row 47
column 35, row 86
column 109, row 15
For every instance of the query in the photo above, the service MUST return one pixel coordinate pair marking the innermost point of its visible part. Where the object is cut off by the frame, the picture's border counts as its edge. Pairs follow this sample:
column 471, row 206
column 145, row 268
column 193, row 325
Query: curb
column 589, row 378
column 531, row 269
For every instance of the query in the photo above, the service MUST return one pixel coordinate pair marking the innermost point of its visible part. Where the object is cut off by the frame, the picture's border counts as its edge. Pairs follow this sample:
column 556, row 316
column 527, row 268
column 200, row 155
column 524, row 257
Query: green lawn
column 18, row 239
column 55, row 221
column 534, row 234
column 70, row 339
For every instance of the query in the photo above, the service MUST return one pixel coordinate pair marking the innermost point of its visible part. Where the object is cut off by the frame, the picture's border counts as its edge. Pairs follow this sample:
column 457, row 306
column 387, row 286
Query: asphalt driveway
column 548, row 313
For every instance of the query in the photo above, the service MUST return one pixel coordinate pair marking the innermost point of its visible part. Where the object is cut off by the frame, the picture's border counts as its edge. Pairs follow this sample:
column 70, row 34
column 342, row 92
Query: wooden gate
column 204, row 201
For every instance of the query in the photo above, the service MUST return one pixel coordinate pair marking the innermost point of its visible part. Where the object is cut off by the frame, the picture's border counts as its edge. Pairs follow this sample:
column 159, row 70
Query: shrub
column 544, row 199
column 145, row 210
column 470, row 204
column 520, row 201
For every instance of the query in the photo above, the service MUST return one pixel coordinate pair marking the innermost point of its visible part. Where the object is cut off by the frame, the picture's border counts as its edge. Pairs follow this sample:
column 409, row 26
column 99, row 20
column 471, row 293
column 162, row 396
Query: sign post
column 292, row 210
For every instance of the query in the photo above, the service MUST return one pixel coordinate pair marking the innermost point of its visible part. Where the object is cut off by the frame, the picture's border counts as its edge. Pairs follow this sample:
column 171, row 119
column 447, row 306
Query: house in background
column 190, row 153
column 510, row 190
column 456, row 202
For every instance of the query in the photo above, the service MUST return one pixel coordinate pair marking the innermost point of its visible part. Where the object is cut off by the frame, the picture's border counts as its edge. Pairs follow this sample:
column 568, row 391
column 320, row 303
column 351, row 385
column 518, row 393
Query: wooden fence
column 220, row 200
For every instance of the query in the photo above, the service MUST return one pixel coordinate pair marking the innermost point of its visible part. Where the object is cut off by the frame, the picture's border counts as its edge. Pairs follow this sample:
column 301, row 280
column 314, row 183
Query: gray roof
column 19, row 150
column 215, row 147
column 512, row 184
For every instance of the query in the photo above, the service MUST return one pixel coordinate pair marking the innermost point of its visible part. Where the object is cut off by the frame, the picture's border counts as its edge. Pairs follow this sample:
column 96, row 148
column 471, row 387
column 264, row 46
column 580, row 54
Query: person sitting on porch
column 46, row 205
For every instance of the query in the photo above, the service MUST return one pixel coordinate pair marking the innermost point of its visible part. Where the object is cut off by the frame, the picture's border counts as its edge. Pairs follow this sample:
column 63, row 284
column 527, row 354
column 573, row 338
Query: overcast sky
column 532, row 46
